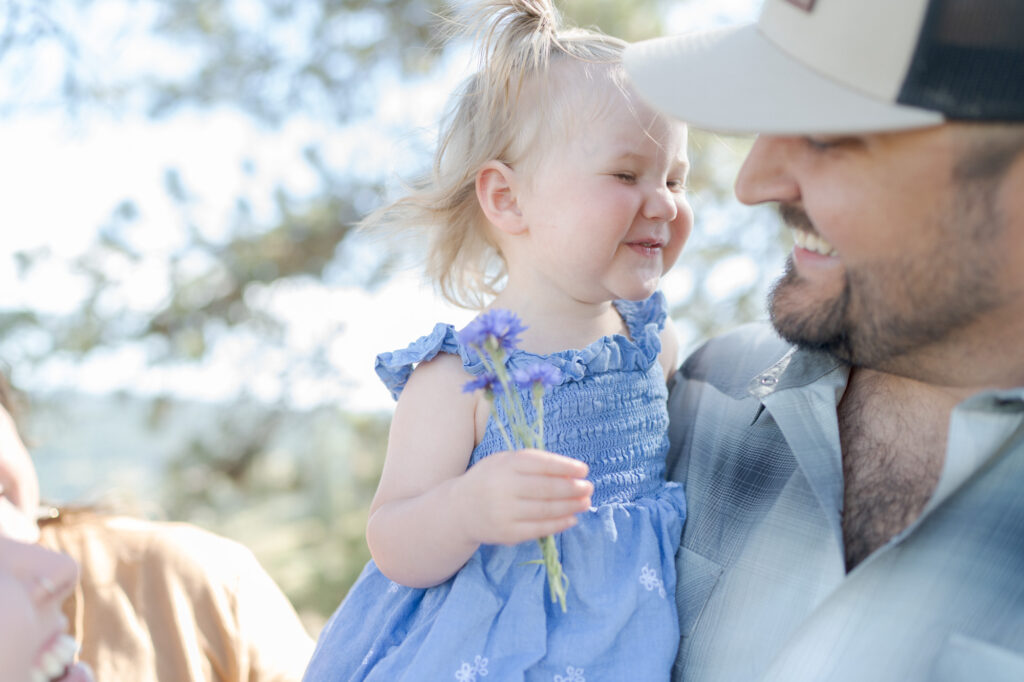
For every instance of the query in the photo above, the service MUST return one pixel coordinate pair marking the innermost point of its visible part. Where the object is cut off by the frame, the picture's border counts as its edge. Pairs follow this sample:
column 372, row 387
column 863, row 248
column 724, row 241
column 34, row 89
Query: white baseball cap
column 842, row 66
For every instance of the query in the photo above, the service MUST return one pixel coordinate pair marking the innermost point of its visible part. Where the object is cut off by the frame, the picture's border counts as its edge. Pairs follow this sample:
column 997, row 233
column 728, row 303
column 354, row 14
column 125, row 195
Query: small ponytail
column 497, row 114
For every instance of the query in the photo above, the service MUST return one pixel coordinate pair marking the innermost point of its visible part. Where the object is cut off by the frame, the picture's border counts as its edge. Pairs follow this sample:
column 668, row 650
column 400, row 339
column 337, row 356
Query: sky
column 97, row 160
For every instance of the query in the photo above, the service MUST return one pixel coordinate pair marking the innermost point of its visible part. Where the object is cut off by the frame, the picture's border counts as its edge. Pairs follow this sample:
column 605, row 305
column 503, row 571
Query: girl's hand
column 511, row 497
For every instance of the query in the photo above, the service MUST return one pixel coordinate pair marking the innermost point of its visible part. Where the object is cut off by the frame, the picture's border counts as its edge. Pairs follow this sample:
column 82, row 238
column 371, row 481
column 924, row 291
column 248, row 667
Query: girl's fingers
column 548, row 464
column 537, row 510
column 555, row 488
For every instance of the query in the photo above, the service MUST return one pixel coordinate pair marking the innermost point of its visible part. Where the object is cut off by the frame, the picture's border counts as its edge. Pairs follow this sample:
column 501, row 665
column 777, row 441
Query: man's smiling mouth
column 812, row 242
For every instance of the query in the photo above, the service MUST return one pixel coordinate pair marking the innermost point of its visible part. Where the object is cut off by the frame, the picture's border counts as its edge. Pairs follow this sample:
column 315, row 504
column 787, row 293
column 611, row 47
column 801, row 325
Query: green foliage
column 277, row 58
column 630, row 21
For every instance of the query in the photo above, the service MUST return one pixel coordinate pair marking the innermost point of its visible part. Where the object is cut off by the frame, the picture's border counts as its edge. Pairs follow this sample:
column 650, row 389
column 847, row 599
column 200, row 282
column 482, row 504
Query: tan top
column 166, row 602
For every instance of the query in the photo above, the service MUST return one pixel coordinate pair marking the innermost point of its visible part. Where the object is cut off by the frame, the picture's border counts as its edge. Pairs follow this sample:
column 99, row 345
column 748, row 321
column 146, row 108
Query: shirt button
column 768, row 380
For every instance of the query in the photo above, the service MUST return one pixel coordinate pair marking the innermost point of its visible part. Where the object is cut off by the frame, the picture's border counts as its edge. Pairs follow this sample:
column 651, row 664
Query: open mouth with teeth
column 55, row 661
column 812, row 242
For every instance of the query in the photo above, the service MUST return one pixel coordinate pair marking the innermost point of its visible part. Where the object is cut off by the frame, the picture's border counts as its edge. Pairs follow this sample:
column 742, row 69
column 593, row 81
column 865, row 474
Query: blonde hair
column 497, row 114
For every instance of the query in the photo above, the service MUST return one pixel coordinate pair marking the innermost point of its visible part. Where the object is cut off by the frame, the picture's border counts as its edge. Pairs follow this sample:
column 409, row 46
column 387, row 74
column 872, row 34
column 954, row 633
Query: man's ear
column 496, row 187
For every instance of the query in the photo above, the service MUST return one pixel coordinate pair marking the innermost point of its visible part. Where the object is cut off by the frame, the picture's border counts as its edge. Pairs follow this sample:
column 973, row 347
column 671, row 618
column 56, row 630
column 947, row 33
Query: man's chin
column 835, row 345
column 806, row 323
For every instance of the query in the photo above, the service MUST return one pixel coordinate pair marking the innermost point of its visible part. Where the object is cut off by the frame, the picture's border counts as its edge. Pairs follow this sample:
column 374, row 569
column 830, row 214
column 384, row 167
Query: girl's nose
column 660, row 205
column 765, row 174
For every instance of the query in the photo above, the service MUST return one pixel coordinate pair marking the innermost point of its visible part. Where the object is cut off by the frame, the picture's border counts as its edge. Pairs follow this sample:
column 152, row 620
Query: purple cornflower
column 487, row 381
column 537, row 373
column 503, row 325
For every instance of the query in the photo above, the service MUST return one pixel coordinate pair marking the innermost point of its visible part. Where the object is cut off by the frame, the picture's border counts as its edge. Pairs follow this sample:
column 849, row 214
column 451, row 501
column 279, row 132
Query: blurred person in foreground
column 856, row 487
column 34, row 644
column 161, row 602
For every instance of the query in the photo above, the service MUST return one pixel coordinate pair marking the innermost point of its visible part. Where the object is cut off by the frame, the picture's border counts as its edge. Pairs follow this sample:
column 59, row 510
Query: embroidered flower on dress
column 650, row 580
column 469, row 673
column 571, row 675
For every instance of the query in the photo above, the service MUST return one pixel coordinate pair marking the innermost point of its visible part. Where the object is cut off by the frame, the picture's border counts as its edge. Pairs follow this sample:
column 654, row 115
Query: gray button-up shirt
column 762, row 589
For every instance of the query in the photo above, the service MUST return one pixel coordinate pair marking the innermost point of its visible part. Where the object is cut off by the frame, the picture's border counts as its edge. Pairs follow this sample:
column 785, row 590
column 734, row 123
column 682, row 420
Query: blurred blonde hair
column 521, row 90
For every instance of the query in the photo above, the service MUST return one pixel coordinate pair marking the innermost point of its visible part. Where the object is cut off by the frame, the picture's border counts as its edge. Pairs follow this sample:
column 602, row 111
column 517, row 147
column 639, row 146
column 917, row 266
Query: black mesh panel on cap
column 969, row 61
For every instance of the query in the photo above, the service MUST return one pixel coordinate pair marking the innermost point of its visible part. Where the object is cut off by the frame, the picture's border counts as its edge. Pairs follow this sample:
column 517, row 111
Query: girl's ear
column 496, row 186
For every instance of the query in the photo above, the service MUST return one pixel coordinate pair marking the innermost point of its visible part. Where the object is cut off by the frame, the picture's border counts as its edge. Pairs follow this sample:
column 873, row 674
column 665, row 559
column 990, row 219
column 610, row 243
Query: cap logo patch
column 805, row 5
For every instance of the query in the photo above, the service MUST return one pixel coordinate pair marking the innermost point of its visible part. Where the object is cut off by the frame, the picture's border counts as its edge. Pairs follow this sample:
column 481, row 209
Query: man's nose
column 766, row 174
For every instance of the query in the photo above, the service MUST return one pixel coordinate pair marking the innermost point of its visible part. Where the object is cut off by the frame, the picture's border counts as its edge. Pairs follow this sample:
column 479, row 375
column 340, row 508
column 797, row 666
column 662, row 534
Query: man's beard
column 896, row 305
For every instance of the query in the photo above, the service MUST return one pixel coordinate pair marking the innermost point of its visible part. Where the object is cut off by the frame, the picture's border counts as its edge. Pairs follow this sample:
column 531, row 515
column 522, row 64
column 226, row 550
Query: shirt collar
column 800, row 367
column 795, row 369
column 981, row 427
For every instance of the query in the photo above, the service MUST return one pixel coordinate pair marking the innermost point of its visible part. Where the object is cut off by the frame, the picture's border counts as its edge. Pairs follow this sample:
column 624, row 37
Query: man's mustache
column 796, row 218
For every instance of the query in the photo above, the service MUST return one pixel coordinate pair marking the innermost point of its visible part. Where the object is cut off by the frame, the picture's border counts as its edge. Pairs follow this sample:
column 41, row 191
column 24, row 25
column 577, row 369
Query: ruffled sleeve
column 394, row 368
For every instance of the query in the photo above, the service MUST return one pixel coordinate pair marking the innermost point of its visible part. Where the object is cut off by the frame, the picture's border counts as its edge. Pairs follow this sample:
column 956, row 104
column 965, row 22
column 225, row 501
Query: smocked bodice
column 608, row 410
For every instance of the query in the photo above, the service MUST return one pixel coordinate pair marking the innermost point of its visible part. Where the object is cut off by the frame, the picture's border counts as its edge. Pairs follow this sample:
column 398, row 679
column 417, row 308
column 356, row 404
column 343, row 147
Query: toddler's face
column 606, row 208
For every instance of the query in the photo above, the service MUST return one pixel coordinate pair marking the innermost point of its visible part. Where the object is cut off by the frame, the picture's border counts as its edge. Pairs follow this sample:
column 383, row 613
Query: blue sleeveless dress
column 494, row 620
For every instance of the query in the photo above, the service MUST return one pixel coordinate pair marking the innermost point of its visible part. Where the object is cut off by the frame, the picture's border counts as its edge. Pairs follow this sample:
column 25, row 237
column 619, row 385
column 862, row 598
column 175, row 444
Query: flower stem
column 558, row 582
column 528, row 436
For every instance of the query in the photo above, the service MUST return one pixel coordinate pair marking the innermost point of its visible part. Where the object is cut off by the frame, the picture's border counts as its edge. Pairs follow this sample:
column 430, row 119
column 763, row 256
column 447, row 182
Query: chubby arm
column 430, row 513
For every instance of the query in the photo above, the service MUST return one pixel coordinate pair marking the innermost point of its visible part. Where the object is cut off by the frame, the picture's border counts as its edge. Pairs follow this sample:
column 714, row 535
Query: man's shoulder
column 730, row 361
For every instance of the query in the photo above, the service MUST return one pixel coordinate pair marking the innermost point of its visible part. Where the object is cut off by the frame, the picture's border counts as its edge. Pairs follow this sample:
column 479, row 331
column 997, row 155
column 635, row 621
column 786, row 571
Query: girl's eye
column 626, row 177
column 676, row 186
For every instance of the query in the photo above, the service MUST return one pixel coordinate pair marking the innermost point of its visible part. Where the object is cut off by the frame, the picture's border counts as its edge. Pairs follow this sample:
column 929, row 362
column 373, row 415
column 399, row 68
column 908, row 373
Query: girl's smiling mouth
column 646, row 247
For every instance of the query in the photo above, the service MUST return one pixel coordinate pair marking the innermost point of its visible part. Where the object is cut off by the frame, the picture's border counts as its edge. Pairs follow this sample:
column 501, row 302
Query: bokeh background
column 183, row 301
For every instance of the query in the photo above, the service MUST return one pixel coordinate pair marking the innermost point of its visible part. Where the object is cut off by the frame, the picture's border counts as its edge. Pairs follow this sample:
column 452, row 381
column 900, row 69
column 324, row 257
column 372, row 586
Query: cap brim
column 735, row 81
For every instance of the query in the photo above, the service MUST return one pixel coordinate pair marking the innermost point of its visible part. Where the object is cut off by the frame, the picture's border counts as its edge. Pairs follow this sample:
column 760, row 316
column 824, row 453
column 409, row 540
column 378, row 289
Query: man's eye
column 823, row 143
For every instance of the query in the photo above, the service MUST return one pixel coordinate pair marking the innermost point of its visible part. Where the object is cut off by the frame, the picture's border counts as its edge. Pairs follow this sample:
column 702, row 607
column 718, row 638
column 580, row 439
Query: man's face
column 894, row 252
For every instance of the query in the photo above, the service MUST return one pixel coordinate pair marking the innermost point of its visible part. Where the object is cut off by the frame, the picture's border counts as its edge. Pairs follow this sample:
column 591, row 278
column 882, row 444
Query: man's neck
column 893, row 436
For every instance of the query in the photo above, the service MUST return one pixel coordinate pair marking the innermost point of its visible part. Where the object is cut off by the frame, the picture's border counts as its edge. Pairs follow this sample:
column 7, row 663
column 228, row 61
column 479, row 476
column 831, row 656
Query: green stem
column 501, row 427
column 538, row 404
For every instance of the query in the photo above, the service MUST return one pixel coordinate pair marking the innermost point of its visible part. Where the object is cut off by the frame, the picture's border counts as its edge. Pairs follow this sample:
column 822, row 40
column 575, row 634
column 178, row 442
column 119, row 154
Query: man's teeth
column 55, row 660
column 812, row 242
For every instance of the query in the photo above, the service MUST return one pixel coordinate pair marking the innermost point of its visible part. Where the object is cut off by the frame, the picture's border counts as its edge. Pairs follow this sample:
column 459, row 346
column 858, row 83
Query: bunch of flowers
column 493, row 334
